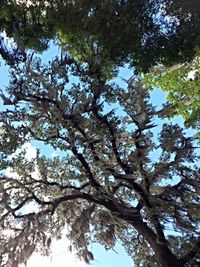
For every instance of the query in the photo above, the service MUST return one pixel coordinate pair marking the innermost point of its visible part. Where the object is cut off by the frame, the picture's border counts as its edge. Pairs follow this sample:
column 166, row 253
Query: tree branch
column 191, row 254
column 104, row 120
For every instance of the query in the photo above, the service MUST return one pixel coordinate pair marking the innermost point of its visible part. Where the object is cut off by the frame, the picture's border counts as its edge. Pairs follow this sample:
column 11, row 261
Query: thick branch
column 84, row 163
column 191, row 254
column 104, row 120
column 18, row 207
column 145, row 199
column 62, row 187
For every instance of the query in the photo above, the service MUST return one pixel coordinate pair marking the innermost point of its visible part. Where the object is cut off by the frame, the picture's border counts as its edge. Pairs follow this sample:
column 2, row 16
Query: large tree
column 116, row 178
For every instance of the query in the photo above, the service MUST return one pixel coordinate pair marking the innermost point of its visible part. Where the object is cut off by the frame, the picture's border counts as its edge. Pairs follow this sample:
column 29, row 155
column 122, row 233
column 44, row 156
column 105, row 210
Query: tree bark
column 166, row 258
column 162, row 252
column 164, row 255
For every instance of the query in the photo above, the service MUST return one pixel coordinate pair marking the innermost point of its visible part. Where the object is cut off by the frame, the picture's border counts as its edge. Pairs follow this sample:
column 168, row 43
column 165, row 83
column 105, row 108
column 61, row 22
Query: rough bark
column 164, row 255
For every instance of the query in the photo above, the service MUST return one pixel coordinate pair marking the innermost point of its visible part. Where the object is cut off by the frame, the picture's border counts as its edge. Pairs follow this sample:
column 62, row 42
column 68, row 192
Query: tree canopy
column 142, row 33
column 182, row 82
column 107, row 185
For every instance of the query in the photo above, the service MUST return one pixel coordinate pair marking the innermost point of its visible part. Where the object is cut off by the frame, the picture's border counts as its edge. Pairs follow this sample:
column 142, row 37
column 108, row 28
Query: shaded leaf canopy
column 142, row 33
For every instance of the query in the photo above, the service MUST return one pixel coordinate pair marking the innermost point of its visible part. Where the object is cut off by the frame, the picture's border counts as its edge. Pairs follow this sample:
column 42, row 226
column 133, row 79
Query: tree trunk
column 164, row 255
column 166, row 258
column 162, row 252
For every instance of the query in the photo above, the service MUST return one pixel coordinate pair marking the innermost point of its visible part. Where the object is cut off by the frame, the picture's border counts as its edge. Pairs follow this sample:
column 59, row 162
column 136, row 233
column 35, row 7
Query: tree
column 182, row 82
column 141, row 33
column 107, row 185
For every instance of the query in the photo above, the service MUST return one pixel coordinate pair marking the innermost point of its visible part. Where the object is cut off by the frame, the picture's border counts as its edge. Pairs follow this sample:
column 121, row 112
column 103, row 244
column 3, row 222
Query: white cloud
column 31, row 151
column 60, row 257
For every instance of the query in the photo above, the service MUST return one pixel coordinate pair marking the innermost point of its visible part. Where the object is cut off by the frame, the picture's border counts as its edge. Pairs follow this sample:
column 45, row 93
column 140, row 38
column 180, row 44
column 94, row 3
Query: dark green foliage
column 137, row 32
column 26, row 25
